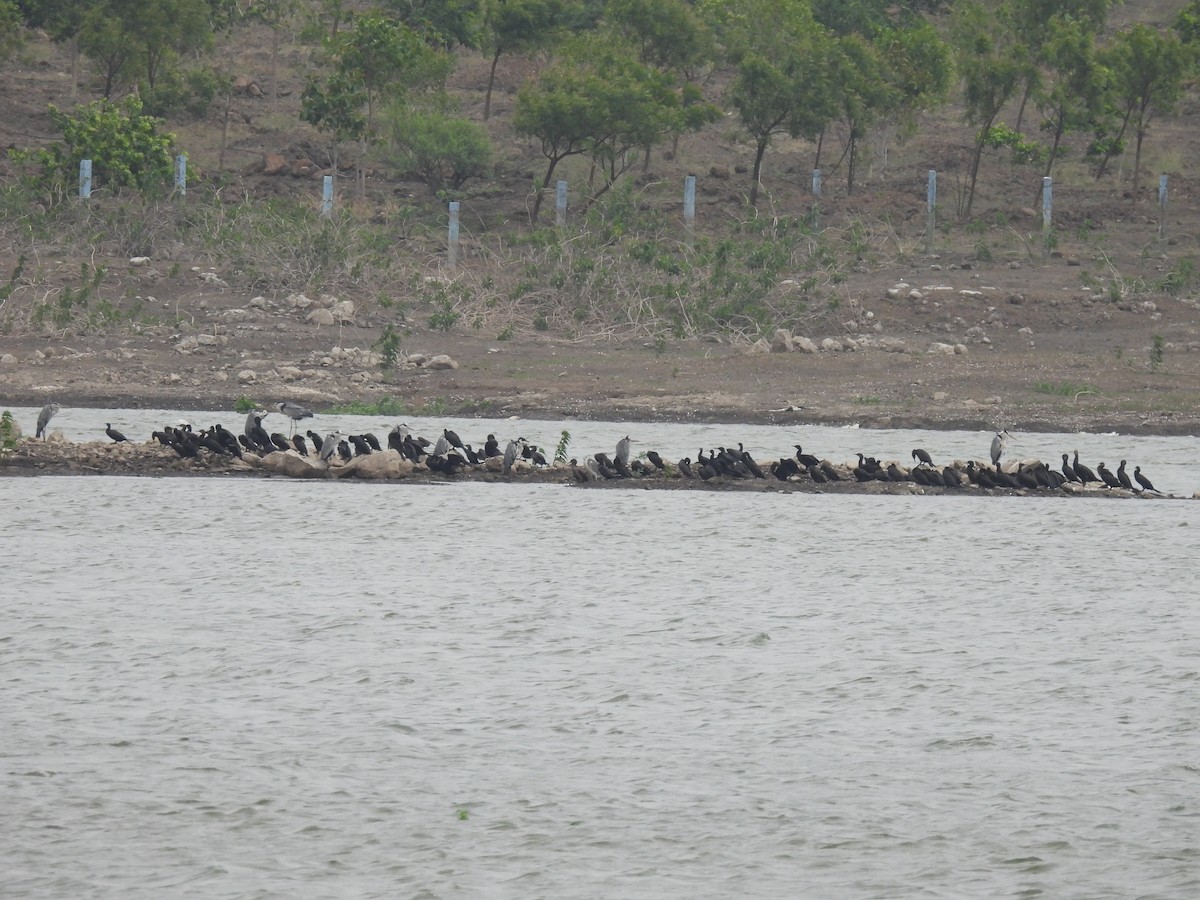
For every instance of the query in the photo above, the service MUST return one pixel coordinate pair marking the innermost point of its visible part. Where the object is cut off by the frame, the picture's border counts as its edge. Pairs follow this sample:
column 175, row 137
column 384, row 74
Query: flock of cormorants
column 448, row 454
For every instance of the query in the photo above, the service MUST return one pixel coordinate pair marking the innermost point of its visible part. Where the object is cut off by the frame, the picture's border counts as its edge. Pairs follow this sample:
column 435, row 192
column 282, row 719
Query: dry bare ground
column 1100, row 332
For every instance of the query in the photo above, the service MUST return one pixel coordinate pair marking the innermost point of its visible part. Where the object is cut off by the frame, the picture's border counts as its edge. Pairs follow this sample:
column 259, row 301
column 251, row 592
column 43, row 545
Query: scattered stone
column 189, row 344
column 829, row 345
column 272, row 164
column 289, row 373
column 719, row 172
column 939, row 349
column 343, row 311
column 971, row 295
column 892, row 345
column 940, row 396
column 247, row 376
column 897, row 290
column 782, row 341
column 8, row 360
column 442, row 361
column 320, row 317
column 138, row 260
column 803, row 345
column 762, row 345
column 960, row 349
column 976, row 335
column 214, row 279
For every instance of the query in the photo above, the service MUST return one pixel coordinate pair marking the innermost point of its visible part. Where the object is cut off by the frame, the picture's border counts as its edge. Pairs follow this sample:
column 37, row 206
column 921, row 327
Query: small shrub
column 388, row 346
column 244, row 404
column 125, row 147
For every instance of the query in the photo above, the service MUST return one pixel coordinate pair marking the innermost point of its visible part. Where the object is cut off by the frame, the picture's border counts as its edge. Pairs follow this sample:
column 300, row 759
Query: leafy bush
column 125, row 147
column 441, row 150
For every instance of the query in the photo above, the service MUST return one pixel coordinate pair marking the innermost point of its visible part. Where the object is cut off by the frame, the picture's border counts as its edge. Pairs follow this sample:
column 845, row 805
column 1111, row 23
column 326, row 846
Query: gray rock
column 829, row 345
column 782, row 341
column 803, row 345
column 320, row 317
column 441, row 361
column 8, row 360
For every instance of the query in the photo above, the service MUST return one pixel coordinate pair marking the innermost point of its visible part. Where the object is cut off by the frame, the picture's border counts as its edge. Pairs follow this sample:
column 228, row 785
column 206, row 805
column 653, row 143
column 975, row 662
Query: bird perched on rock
column 998, row 444
column 1106, row 476
column 328, row 446
column 49, row 411
column 293, row 411
column 113, row 433
column 1143, row 480
column 922, row 456
column 624, row 446
column 1124, row 478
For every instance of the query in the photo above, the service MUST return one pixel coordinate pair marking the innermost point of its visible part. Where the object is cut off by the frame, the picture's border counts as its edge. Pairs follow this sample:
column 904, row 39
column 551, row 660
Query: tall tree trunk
column 760, row 150
column 1021, row 108
column 487, row 100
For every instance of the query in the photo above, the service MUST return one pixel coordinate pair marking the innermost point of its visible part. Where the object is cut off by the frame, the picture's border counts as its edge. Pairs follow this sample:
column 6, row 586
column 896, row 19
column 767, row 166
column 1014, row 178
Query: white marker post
column 1162, row 208
column 1047, row 194
column 85, row 179
column 452, row 257
column 689, row 208
column 930, row 209
column 560, row 203
column 181, row 175
column 327, row 196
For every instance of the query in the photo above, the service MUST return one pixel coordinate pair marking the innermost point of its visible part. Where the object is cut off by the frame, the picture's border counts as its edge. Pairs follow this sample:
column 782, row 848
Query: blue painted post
column 1047, row 193
column 1162, row 207
column 85, row 179
column 689, row 207
column 453, row 254
column 930, row 209
column 560, row 203
column 327, row 196
column 181, row 174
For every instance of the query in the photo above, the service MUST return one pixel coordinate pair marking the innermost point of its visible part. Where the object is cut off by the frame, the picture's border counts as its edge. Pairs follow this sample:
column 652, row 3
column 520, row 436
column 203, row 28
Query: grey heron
column 329, row 446
column 442, row 447
column 624, row 445
column 49, row 411
column 998, row 444
column 116, row 436
column 511, row 453
column 293, row 411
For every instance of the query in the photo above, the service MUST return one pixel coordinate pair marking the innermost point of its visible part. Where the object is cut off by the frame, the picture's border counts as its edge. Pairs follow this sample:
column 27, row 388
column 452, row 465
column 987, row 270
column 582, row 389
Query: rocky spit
column 56, row 456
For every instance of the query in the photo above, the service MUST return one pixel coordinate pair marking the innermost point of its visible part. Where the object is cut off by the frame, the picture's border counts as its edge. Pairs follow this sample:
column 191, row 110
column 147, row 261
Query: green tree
column 990, row 70
column 132, row 39
column 601, row 102
column 378, row 57
column 1148, row 70
column 444, row 23
column 781, row 82
column 517, row 26
column 1072, row 94
column 10, row 28
column 1032, row 24
column 863, row 90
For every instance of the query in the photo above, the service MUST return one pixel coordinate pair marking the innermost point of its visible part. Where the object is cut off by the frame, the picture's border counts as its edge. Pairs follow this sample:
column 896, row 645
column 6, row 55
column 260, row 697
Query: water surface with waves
column 264, row 688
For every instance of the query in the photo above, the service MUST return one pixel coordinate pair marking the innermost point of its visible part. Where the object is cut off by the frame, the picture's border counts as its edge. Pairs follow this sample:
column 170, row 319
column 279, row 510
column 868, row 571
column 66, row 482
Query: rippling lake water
column 261, row 688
